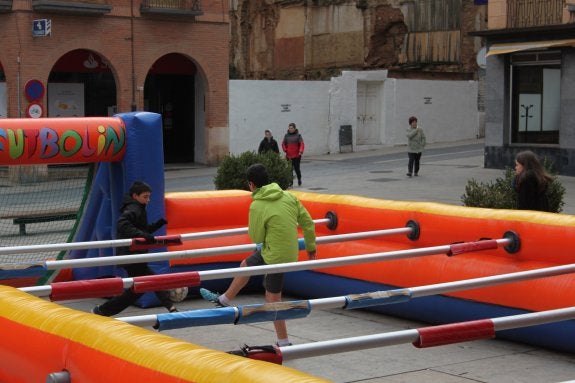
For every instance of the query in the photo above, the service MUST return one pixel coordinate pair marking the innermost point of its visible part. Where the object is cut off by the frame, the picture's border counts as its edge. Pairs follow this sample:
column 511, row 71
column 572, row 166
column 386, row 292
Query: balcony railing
column 531, row 13
column 172, row 7
column 5, row 6
column 83, row 7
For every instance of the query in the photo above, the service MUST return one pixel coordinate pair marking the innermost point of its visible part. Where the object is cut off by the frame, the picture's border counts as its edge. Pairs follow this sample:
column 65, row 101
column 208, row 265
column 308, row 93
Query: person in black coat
column 133, row 223
column 531, row 182
column 268, row 143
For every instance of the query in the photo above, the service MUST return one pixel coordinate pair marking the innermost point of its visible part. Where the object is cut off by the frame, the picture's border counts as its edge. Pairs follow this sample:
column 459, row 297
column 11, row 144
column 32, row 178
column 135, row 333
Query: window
column 535, row 97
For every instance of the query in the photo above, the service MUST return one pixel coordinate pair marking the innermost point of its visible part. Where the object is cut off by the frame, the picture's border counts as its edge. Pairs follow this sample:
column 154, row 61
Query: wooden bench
column 24, row 218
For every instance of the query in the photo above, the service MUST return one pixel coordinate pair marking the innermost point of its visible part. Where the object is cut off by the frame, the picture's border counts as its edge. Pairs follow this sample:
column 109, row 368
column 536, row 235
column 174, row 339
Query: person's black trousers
column 413, row 164
column 121, row 302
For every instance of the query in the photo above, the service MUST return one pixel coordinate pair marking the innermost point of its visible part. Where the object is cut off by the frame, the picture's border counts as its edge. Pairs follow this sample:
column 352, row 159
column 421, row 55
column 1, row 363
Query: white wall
column 447, row 110
column 260, row 104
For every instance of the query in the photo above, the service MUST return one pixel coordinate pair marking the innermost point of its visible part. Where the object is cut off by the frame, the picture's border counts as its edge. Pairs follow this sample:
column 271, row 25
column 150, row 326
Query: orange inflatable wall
column 543, row 237
column 40, row 338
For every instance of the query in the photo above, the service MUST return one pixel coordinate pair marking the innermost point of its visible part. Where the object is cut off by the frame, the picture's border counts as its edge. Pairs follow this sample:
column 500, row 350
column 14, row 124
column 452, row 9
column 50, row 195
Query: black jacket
column 133, row 222
column 267, row 145
column 530, row 196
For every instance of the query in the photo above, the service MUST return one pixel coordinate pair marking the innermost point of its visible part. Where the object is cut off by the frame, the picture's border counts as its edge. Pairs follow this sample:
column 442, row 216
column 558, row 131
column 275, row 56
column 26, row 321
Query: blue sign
column 41, row 27
column 34, row 90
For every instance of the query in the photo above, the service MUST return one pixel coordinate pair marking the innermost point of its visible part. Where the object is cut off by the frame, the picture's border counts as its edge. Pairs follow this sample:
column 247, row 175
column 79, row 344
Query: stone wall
column 316, row 40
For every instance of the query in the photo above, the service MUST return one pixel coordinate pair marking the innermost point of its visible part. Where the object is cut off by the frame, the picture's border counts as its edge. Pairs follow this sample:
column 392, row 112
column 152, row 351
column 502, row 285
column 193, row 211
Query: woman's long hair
column 532, row 166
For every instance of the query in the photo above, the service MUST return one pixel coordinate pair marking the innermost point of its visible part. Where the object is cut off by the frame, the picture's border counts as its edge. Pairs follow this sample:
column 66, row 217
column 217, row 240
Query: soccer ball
column 178, row 294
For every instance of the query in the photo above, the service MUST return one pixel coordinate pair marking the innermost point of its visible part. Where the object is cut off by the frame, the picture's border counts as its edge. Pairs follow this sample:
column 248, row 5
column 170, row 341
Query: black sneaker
column 408, row 174
column 96, row 310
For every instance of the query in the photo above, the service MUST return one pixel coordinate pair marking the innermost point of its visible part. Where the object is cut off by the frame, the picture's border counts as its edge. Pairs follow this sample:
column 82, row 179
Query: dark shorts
column 273, row 283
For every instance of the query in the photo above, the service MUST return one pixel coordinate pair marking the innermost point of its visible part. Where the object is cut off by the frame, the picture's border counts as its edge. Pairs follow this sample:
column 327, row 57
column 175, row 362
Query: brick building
column 99, row 57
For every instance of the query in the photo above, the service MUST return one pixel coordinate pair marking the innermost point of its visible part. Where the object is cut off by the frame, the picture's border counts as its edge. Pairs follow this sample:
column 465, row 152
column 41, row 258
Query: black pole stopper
column 414, row 235
column 332, row 216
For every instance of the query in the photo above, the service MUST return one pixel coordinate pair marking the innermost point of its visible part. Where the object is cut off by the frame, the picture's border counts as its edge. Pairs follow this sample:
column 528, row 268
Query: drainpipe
column 18, row 88
column 134, row 104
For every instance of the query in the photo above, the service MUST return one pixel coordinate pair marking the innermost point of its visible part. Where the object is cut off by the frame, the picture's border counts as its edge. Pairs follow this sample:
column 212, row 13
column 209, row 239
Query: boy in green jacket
column 273, row 220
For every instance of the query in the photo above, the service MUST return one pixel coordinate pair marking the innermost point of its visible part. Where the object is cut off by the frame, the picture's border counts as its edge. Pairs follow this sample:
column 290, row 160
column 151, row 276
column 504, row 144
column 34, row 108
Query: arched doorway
column 170, row 91
column 81, row 84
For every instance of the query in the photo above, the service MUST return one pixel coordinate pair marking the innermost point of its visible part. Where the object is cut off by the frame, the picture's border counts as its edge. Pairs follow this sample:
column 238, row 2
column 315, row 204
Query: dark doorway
column 169, row 90
column 85, row 67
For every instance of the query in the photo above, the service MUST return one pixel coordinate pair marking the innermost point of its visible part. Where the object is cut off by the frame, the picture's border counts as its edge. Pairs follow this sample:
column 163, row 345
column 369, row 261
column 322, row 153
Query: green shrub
column 500, row 194
column 231, row 173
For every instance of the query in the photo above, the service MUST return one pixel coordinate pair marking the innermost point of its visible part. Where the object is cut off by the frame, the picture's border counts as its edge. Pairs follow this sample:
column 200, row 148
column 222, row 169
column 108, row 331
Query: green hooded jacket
column 273, row 219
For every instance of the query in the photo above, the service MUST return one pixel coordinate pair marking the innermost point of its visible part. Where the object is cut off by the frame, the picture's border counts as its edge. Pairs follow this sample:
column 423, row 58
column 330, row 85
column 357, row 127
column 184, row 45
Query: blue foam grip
column 208, row 317
column 360, row 301
column 273, row 311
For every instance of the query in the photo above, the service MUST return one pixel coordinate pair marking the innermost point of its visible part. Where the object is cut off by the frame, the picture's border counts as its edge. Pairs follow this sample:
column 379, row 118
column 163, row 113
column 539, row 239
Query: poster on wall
column 65, row 99
column 529, row 112
column 3, row 101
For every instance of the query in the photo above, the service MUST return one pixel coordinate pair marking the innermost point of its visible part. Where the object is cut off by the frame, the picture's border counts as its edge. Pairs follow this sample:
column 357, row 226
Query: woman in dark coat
column 531, row 182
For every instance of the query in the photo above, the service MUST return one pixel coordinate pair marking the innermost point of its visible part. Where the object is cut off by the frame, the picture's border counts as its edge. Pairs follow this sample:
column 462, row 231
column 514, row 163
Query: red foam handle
column 459, row 248
column 165, row 281
column 455, row 333
column 159, row 241
column 266, row 356
column 93, row 288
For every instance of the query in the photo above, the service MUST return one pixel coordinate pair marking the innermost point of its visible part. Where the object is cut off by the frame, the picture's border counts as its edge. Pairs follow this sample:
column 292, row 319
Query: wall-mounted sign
column 65, row 99
column 34, row 110
column 427, row 100
column 41, row 27
column 34, row 90
column 286, row 107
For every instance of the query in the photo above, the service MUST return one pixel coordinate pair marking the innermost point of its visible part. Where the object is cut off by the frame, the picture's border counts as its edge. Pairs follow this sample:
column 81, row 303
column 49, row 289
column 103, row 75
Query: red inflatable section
column 61, row 140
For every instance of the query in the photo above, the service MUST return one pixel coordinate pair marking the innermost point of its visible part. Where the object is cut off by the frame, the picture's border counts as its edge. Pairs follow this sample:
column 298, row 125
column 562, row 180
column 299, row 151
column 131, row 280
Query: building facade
column 529, row 82
column 101, row 57
column 318, row 39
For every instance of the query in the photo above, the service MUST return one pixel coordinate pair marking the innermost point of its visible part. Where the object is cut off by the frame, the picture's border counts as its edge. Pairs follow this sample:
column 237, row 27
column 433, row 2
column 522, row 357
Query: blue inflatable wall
column 143, row 161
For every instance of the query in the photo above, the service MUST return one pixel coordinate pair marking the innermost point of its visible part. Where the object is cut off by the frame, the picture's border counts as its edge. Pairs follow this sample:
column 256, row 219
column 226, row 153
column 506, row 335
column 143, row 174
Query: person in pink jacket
column 293, row 147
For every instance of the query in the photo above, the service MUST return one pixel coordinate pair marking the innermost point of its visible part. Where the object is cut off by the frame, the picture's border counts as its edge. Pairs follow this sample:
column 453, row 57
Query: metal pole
column 336, row 346
column 197, row 253
column 123, row 242
column 421, row 291
column 441, row 288
column 330, row 262
column 532, row 319
column 409, row 336
column 292, row 266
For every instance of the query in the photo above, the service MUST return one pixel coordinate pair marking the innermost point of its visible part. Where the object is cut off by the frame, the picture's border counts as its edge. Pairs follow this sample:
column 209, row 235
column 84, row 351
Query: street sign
column 34, row 110
column 34, row 90
column 41, row 27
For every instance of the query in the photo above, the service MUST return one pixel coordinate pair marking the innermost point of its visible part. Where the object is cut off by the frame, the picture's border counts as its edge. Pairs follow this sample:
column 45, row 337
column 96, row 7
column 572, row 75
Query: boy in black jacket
column 133, row 223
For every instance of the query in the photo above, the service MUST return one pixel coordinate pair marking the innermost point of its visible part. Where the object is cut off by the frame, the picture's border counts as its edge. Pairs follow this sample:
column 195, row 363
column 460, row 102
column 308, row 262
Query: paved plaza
column 380, row 174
